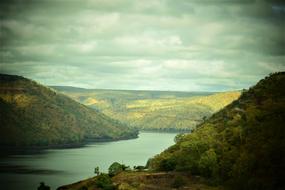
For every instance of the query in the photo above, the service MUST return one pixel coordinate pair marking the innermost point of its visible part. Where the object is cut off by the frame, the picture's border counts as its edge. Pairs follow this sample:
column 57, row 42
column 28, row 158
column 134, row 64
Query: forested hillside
column 34, row 115
column 242, row 146
column 153, row 110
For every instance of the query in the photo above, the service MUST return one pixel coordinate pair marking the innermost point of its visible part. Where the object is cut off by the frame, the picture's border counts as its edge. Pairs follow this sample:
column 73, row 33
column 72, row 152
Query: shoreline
column 165, row 131
column 8, row 150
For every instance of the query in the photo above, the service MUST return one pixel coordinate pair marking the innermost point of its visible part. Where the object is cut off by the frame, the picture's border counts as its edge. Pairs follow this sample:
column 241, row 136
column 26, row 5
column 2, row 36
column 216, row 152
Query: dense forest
column 153, row 110
column 34, row 115
column 242, row 146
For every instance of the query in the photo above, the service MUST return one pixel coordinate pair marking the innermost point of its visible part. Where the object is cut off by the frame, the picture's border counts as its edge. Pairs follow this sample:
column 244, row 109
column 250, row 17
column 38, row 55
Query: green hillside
column 35, row 115
column 242, row 146
column 153, row 110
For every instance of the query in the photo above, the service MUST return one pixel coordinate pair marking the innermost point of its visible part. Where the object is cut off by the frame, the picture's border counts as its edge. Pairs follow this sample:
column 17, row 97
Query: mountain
column 34, row 115
column 152, row 110
column 242, row 146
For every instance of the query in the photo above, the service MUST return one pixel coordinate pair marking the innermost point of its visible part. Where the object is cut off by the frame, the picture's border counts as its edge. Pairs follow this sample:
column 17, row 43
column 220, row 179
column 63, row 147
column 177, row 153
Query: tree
column 167, row 164
column 104, row 181
column 208, row 164
column 139, row 168
column 115, row 168
column 96, row 171
column 178, row 182
column 43, row 186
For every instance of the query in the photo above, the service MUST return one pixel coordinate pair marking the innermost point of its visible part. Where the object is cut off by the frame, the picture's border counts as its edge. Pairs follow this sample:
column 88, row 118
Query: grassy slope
column 32, row 114
column 145, row 181
column 243, row 145
column 153, row 110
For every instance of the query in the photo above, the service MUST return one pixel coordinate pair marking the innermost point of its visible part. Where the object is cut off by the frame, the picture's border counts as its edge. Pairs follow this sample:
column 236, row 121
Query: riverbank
column 136, row 180
column 177, row 131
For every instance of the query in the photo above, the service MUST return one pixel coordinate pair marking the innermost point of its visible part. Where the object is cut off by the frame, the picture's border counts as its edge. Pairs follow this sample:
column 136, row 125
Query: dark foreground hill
column 34, row 115
column 242, row 146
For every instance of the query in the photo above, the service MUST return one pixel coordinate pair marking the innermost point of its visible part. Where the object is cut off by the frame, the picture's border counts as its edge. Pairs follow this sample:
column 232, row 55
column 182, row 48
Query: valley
column 153, row 110
column 231, row 138
column 142, row 95
column 239, row 147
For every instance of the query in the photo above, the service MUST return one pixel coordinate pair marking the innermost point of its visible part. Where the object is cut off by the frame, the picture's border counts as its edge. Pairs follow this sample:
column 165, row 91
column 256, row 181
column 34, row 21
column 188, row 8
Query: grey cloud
column 211, row 45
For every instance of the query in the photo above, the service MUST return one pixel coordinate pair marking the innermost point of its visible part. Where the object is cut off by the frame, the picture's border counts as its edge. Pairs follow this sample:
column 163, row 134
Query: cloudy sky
column 184, row 45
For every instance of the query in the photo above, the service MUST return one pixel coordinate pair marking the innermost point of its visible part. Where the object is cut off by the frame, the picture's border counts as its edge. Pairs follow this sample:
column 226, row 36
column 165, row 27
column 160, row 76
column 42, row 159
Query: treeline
column 242, row 146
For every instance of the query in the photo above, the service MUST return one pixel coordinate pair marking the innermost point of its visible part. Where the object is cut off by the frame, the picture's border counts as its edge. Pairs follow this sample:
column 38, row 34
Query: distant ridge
column 80, row 89
column 152, row 110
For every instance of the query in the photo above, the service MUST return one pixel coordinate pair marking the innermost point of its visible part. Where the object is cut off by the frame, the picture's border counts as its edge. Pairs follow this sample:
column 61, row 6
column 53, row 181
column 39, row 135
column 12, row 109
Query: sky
column 177, row 45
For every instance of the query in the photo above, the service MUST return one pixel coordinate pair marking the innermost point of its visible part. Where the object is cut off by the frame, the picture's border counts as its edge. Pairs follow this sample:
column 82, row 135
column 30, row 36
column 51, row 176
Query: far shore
column 6, row 150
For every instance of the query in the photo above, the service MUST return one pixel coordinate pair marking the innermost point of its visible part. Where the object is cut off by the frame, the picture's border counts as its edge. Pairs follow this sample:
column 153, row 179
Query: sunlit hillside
column 153, row 110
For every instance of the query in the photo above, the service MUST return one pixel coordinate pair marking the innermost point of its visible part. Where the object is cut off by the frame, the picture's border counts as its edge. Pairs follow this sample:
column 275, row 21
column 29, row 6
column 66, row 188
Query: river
column 58, row 167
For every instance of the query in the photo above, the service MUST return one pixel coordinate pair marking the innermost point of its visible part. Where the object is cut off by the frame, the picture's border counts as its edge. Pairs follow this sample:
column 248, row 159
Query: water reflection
column 62, row 166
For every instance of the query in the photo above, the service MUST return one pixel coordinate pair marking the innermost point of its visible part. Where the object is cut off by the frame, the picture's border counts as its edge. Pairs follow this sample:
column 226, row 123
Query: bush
column 178, row 182
column 43, row 186
column 208, row 164
column 104, row 181
column 116, row 168
column 83, row 188
column 167, row 165
column 139, row 168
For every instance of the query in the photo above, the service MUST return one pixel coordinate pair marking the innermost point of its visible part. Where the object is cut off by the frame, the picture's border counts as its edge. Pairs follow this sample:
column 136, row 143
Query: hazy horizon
column 157, row 45
column 139, row 90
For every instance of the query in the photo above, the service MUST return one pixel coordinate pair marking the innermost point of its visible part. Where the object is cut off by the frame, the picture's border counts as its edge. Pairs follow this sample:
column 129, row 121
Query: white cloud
column 148, row 41
column 86, row 47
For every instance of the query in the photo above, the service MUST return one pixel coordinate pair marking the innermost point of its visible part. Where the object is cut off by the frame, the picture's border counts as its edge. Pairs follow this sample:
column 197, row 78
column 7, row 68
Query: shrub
column 178, row 182
column 104, row 181
column 83, row 188
column 208, row 164
column 116, row 168
column 167, row 165
column 139, row 168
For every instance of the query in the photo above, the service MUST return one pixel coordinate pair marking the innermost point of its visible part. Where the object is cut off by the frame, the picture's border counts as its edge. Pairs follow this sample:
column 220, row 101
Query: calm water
column 64, row 166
